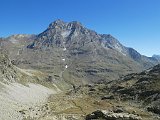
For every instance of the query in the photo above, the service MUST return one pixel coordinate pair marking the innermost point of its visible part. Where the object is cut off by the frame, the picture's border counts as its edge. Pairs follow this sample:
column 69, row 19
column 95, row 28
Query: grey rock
column 107, row 97
column 105, row 115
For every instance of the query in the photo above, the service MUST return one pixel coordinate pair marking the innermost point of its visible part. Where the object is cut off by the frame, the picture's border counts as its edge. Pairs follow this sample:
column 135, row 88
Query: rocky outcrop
column 105, row 115
column 7, row 71
column 144, row 87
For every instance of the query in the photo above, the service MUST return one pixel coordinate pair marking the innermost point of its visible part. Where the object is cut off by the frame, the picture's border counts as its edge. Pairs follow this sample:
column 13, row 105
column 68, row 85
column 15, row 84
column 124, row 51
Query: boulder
column 106, row 115
column 107, row 97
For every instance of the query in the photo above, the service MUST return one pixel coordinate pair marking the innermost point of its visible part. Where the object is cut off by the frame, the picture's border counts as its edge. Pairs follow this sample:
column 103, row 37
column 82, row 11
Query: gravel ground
column 15, row 97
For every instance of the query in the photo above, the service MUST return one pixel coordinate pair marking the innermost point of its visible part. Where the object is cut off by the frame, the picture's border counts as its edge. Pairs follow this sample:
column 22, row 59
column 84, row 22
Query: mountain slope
column 21, row 90
column 156, row 57
column 142, row 87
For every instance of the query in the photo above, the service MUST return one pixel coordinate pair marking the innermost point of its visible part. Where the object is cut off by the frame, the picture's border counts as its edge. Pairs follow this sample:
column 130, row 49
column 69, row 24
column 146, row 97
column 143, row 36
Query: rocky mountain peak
column 59, row 32
column 64, row 25
column 57, row 24
column 74, row 25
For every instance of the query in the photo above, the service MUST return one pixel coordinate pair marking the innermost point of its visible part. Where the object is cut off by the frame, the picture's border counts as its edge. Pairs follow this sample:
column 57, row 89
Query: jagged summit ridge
column 60, row 32
column 56, row 23
column 64, row 25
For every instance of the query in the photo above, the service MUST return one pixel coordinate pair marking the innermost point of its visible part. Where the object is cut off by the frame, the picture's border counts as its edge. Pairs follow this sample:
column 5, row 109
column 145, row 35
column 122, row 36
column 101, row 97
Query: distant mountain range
column 75, row 54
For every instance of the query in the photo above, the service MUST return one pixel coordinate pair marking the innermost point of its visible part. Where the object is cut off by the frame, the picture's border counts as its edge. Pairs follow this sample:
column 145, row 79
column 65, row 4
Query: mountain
column 75, row 54
column 156, row 57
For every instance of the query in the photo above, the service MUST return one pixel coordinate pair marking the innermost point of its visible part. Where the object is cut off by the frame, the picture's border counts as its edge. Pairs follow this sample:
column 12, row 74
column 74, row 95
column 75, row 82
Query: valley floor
column 64, row 107
column 36, row 102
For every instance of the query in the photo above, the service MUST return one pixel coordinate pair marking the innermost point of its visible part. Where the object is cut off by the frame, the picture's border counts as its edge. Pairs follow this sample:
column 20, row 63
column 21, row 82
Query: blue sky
column 135, row 23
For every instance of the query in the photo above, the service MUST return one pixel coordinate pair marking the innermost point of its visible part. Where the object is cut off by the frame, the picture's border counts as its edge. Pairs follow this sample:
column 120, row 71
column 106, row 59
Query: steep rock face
column 110, row 42
column 71, row 52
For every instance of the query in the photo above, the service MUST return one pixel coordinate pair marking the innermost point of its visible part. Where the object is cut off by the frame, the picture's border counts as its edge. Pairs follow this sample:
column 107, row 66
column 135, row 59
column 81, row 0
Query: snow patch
column 64, row 49
column 65, row 33
column 63, row 59
column 66, row 66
